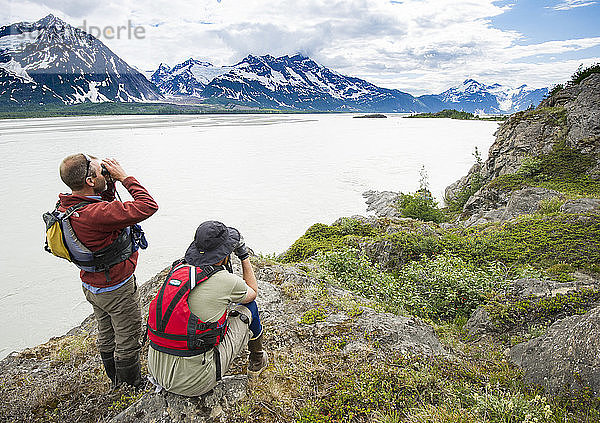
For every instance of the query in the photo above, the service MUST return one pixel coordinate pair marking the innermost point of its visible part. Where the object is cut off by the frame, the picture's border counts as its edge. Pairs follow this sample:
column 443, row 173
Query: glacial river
column 271, row 176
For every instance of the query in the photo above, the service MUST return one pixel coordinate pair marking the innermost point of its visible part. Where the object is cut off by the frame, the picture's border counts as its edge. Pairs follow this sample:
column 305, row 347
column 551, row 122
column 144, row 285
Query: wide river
column 271, row 176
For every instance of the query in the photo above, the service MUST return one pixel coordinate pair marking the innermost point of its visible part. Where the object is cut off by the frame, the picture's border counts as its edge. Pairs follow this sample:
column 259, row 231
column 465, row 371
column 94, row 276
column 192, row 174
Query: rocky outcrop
column 491, row 205
column 581, row 103
column 572, row 115
column 69, row 366
column 382, row 203
column 165, row 408
column 581, row 205
column 283, row 302
column 566, row 358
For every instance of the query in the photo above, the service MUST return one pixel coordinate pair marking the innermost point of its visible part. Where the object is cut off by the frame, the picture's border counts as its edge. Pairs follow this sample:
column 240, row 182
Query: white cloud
column 419, row 46
column 571, row 4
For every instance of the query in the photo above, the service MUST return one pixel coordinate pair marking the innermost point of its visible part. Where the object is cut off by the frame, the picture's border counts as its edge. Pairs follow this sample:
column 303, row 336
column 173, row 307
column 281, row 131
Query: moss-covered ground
column 319, row 380
column 440, row 275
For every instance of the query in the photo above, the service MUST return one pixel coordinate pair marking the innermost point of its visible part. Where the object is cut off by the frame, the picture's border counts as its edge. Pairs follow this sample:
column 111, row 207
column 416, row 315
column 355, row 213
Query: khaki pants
column 194, row 376
column 235, row 340
column 119, row 319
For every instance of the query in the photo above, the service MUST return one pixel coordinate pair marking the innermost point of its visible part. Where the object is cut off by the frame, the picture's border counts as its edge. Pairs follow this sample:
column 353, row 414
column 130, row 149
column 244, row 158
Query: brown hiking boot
column 258, row 359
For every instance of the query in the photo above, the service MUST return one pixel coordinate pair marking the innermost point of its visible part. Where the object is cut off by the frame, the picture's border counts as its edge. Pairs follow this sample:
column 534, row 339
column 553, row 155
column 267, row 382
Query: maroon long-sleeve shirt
column 98, row 224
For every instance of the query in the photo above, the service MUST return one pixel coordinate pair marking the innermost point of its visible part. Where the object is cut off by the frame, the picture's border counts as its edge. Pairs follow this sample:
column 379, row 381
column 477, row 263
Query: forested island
column 456, row 114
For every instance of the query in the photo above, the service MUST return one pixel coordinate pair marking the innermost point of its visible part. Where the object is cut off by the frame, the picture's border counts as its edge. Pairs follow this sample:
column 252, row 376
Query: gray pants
column 119, row 319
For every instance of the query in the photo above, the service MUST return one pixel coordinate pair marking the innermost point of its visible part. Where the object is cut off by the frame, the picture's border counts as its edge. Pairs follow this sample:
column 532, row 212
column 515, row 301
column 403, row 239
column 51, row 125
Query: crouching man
column 193, row 336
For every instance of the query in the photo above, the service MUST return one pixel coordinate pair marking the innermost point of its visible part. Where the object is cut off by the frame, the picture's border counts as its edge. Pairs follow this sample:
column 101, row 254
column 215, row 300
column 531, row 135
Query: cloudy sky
column 418, row 46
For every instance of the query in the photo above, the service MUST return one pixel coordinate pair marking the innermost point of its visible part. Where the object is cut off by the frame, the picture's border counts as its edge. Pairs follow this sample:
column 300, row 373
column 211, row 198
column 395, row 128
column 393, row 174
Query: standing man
column 194, row 335
column 101, row 229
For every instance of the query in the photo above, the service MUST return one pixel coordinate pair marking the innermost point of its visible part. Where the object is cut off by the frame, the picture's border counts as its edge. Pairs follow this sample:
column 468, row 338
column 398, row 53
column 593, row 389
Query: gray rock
column 489, row 205
column 165, row 407
column 382, row 203
column 566, row 358
column 484, row 217
column 583, row 115
column 527, row 201
column 479, row 323
column 530, row 287
column 408, row 335
column 581, row 205
column 485, row 199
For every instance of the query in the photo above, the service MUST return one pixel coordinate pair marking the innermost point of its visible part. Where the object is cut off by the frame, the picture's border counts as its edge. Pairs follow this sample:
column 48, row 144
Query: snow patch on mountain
column 186, row 79
column 475, row 97
column 15, row 69
column 50, row 61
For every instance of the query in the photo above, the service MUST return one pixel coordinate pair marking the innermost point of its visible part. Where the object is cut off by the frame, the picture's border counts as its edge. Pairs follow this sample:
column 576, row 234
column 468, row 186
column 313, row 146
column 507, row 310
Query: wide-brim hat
column 212, row 243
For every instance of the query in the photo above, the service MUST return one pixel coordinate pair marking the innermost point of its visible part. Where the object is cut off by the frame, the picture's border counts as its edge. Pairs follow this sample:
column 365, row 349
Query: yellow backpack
column 55, row 239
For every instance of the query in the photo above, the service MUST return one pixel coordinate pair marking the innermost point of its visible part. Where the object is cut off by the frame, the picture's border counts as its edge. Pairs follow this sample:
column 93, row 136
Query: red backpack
column 172, row 327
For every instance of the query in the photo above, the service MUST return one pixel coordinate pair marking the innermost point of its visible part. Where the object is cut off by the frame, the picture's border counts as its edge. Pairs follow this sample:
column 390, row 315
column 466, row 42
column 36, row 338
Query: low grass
column 321, row 381
column 69, row 384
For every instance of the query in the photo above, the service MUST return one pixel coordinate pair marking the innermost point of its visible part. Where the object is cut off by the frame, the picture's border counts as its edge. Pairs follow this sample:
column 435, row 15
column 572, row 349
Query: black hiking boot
column 108, row 359
column 129, row 371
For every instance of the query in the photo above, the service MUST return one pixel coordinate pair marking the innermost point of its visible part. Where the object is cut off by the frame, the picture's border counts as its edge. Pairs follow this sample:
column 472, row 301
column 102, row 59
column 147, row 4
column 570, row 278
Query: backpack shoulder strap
column 205, row 272
column 183, row 289
column 74, row 208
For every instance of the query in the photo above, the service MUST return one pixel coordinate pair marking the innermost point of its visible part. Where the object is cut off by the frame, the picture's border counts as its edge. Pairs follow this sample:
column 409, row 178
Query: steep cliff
column 555, row 148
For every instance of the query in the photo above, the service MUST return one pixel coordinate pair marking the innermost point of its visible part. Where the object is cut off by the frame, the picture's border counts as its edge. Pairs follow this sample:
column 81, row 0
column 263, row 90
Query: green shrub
column 313, row 316
column 551, row 205
column 563, row 169
column 420, row 205
column 561, row 272
column 533, row 239
column 509, row 315
column 581, row 73
column 556, row 89
column 447, row 287
column 349, row 226
column 459, row 200
column 321, row 237
column 442, row 288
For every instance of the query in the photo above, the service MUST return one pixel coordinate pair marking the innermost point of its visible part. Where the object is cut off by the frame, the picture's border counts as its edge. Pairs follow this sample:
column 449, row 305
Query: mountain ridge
column 52, row 62
column 263, row 81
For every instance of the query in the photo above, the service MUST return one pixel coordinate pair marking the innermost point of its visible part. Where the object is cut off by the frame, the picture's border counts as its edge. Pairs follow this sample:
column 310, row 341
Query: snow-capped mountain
column 296, row 83
column 299, row 83
column 474, row 97
column 49, row 61
column 187, row 78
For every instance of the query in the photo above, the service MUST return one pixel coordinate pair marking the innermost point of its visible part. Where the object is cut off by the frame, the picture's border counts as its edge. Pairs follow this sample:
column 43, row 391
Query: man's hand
column 115, row 169
column 241, row 250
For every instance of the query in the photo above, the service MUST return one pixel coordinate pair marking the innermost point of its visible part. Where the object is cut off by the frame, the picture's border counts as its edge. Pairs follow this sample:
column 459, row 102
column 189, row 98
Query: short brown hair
column 72, row 171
